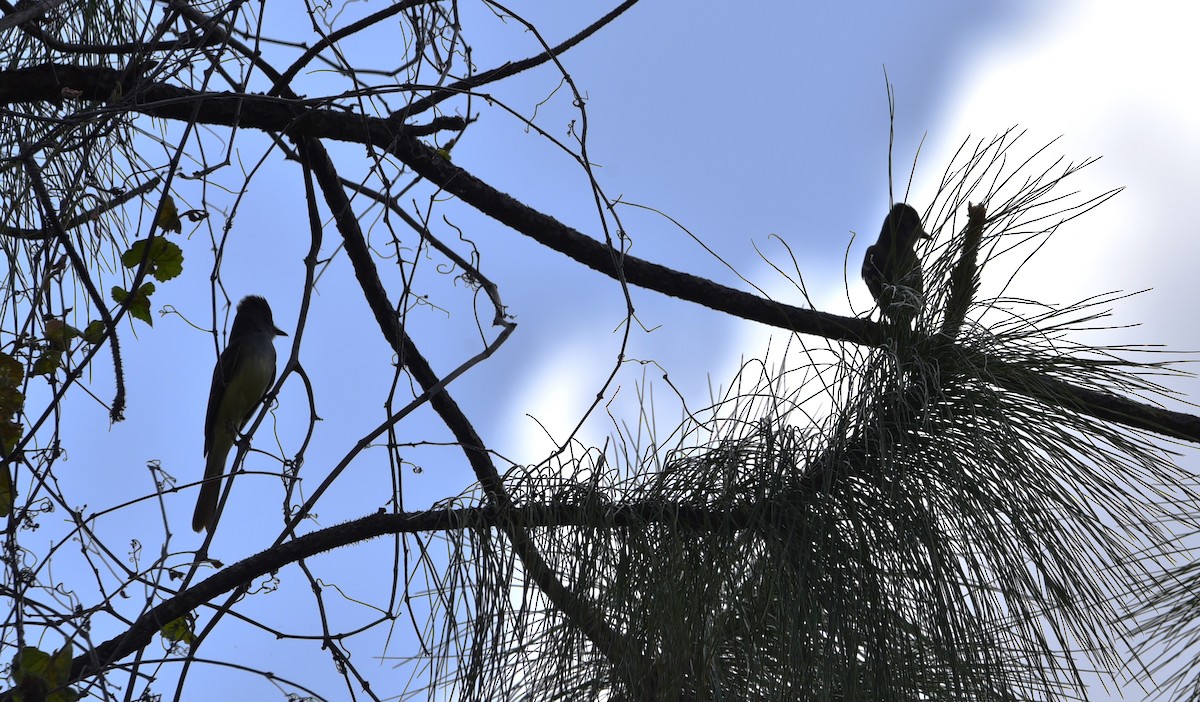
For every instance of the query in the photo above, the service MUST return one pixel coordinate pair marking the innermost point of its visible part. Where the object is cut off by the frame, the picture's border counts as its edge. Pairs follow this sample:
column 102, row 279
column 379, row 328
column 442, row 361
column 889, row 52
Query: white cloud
column 1113, row 81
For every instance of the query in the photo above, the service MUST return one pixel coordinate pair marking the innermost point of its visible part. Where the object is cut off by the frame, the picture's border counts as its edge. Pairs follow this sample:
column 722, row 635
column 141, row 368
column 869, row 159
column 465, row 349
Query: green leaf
column 30, row 662
column 11, row 402
column 94, row 332
column 12, row 374
column 41, row 676
column 8, row 491
column 179, row 630
column 164, row 260
column 61, row 663
column 139, row 301
column 59, row 334
column 49, row 362
column 168, row 216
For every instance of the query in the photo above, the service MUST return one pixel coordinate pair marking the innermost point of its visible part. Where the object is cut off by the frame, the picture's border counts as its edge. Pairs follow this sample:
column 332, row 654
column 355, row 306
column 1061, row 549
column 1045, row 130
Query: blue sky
column 747, row 129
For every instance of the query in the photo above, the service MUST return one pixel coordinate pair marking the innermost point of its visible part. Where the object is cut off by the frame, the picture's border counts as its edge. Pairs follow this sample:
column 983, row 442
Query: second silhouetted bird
column 891, row 268
column 244, row 374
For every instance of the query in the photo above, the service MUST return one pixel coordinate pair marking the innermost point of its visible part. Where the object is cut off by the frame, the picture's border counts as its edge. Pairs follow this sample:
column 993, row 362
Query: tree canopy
column 964, row 502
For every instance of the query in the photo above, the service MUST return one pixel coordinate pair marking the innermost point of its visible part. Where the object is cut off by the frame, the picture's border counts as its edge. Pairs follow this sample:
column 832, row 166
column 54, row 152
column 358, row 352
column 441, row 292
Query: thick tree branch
column 31, row 11
column 48, row 81
column 141, row 633
column 620, row 652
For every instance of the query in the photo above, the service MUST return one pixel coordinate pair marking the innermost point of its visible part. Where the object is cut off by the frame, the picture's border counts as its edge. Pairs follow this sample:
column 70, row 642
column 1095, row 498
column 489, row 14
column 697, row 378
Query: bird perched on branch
column 244, row 374
column 891, row 268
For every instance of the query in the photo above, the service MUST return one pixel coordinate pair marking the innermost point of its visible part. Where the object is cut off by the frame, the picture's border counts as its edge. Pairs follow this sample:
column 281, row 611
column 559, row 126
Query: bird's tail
column 205, row 516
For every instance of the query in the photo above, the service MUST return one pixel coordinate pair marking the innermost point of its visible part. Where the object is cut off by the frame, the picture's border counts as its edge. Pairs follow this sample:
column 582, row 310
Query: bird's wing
column 224, row 370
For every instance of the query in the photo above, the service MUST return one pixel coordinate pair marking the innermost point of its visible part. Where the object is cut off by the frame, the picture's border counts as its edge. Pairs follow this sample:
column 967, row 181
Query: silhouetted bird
column 891, row 269
column 244, row 374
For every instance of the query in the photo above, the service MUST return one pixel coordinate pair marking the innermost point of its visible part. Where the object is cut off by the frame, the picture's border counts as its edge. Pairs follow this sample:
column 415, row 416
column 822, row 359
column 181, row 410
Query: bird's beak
column 924, row 235
column 280, row 332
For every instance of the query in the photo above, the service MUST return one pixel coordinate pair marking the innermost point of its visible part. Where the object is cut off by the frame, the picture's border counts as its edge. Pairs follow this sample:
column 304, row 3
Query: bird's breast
column 249, row 383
